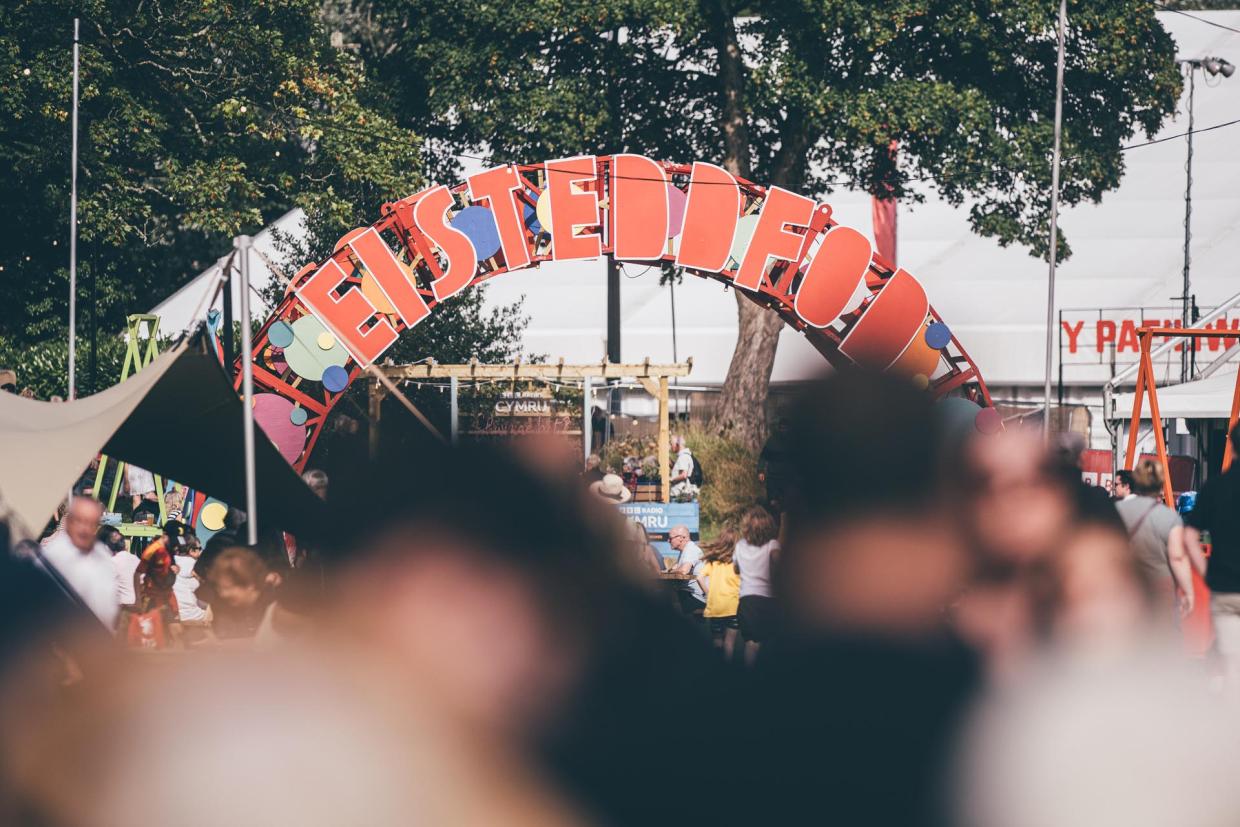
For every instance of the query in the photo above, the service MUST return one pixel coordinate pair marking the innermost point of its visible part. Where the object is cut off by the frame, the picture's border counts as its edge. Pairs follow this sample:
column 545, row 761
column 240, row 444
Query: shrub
column 731, row 478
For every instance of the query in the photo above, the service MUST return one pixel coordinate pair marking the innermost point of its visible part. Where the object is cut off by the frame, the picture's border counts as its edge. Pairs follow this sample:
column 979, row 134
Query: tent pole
column 247, row 386
column 73, row 227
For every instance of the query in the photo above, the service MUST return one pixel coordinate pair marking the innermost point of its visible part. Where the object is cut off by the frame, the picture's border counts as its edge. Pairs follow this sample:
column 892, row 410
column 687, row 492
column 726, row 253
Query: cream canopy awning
column 178, row 417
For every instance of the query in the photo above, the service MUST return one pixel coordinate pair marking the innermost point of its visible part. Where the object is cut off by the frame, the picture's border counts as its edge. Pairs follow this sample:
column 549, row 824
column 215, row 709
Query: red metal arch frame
column 957, row 371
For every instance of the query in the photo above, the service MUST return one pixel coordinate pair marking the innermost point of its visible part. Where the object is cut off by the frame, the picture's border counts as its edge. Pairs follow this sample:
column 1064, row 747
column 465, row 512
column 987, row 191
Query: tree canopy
column 809, row 95
column 199, row 121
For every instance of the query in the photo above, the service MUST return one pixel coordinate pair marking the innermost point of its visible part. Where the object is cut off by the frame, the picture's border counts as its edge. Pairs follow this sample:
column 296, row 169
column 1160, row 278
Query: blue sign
column 659, row 519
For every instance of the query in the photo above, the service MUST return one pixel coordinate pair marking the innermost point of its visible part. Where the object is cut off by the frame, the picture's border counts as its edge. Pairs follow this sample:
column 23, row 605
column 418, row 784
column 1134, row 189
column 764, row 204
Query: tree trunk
column 742, row 406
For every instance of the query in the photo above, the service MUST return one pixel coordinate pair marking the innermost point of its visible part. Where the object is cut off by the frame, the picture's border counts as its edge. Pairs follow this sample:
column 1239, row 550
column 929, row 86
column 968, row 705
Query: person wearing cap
column 611, row 488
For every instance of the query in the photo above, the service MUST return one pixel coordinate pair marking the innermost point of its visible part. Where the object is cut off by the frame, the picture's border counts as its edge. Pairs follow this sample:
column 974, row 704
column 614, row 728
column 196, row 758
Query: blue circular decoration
column 280, row 334
column 335, row 378
column 298, row 415
column 530, row 215
column 478, row 223
column 938, row 335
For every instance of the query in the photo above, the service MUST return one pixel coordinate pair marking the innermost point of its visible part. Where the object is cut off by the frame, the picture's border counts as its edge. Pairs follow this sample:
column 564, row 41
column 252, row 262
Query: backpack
column 696, row 477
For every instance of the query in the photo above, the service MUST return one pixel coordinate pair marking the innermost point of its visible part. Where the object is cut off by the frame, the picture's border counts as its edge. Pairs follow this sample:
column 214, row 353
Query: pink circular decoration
column 988, row 421
column 676, row 200
column 271, row 412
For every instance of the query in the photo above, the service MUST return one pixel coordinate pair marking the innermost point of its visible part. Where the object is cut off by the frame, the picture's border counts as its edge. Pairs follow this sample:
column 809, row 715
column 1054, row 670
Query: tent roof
column 178, row 417
column 1202, row 399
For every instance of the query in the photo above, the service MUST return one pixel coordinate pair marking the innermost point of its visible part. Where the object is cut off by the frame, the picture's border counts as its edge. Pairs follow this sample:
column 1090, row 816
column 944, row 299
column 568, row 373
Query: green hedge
column 44, row 367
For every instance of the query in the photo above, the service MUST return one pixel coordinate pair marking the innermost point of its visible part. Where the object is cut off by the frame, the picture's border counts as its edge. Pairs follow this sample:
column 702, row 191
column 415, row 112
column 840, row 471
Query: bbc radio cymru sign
column 779, row 246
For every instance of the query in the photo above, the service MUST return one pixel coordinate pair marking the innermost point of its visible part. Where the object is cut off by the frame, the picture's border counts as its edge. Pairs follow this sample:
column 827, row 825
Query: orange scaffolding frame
column 1197, row 627
column 1146, row 384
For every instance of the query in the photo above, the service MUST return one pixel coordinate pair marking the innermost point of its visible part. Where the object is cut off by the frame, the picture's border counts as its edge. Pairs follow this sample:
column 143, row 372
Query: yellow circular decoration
column 921, row 381
column 325, row 341
column 542, row 209
column 370, row 289
column 213, row 515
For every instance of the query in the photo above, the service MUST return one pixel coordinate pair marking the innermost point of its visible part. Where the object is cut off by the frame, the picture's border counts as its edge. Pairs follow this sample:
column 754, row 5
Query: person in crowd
column 316, row 481
column 722, row 586
column 873, row 558
column 648, row 560
column 1123, row 485
column 757, row 614
column 146, row 509
column 688, row 561
column 141, row 484
column 534, row 632
column 190, row 610
column 156, row 574
column 8, row 381
column 1157, row 536
column 1217, row 513
column 682, row 485
column 247, row 600
column 1101, row 597
column 126, row 565
column 593, row 472
column 611, row 488
column 83, row 562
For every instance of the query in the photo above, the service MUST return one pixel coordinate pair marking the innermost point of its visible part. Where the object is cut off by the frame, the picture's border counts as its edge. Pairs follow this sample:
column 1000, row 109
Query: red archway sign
column 782, row 249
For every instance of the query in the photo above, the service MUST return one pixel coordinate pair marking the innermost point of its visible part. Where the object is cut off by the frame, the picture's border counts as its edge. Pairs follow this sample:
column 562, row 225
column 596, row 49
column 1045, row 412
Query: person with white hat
column 612, row 489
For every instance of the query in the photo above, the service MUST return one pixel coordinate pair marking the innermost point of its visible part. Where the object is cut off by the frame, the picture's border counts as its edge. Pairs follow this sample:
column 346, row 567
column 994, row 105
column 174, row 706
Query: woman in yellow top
column 722, row 585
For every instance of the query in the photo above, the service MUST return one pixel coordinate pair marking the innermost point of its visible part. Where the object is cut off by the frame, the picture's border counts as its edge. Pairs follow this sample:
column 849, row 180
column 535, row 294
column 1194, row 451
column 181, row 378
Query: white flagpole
column 1054, row 242
column 247, row 388
column 73, row 229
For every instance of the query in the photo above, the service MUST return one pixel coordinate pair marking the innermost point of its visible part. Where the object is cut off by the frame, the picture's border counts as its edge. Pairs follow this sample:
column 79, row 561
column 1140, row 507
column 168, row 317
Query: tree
column 199, row 121
column 805, row 95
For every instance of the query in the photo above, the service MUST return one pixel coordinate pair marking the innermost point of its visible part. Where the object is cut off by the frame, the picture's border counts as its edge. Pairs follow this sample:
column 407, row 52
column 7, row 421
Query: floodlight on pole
column 1212, row 66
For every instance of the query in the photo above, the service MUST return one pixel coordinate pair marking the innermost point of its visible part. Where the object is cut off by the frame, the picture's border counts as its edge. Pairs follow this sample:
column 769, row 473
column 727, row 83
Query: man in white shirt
column 189, row 608
column 688, row 561
column 125, row 564
column 83, row 562
column 682, row 470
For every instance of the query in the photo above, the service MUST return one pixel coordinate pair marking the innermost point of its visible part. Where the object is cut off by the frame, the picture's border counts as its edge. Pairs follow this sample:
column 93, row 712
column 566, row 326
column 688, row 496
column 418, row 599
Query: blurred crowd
column 925, row 627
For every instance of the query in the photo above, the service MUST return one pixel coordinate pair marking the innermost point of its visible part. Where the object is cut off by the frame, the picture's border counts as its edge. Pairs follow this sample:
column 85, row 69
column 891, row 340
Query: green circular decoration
column 305, row 357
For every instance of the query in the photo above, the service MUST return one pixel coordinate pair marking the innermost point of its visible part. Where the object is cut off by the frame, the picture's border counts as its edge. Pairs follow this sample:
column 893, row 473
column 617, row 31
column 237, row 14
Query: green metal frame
column 136, row 358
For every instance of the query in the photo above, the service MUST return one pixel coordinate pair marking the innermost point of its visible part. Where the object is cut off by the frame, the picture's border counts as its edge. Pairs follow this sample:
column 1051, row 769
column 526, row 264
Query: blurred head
column 238, row 578
column 722, row 547
column 453, row 585
column 677, row 442
column 1100, row 592
column 872, row 541
column 1016, row 500
column 592, row 462
column 678, row 537
column 82, row 522
column 111, row 537
column 1123, row 483
column 316, row 480
column 758, row 526
column 1148, row 478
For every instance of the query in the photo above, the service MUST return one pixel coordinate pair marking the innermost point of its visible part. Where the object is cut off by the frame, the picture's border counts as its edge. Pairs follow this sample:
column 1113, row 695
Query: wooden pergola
column 653, row 378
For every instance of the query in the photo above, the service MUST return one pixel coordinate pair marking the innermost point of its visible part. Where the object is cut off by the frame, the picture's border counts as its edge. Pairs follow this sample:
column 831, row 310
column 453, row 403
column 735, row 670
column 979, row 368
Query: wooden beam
column 606, row 370
column 376, row 409
column 665, row 473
